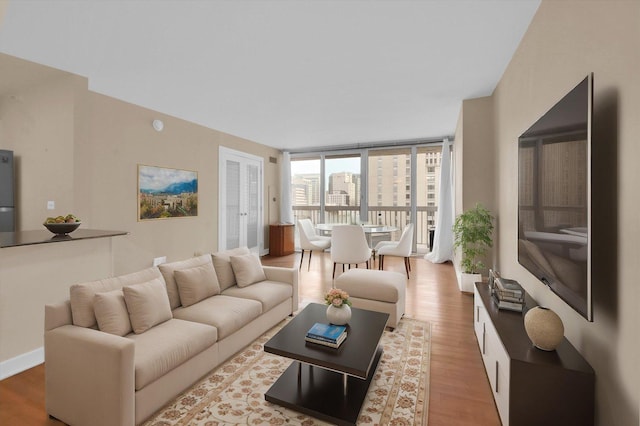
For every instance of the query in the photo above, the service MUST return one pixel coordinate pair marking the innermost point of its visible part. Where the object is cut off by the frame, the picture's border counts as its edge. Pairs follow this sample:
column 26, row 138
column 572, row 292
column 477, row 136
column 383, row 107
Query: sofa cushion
column 197, row 283
column 81, row 295
column 371, row 284
column 168, row 345
column 247, row 269
column 222, row 265
column 111, row 312
column 227, row 314
column 268, row 293
column 148, row 304
column 168, row 270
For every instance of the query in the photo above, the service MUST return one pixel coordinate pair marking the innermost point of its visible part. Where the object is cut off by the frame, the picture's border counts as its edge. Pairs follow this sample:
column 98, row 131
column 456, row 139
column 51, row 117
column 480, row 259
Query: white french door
column 240, row 201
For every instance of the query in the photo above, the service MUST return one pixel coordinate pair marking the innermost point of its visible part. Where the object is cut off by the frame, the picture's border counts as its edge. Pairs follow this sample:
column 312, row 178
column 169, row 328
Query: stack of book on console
column 508, row 294
column 327, row 334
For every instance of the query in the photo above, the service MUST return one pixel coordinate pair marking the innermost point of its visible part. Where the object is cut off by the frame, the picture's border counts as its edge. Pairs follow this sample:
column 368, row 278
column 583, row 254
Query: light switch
column 51, row 205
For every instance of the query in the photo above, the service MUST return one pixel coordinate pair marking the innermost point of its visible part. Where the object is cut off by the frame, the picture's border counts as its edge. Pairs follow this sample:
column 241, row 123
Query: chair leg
column 380, row 262
column 334, row 269
column 407, row 266
column 309, row 265
column 368, row 264
column 301, row 257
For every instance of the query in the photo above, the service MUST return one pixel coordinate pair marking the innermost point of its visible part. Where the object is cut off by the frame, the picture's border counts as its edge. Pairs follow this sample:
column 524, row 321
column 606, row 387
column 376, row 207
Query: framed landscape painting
column 165, row 193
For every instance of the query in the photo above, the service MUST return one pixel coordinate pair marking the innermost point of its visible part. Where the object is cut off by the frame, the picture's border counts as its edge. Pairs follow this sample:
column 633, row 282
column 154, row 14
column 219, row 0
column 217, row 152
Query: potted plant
column 472, row 232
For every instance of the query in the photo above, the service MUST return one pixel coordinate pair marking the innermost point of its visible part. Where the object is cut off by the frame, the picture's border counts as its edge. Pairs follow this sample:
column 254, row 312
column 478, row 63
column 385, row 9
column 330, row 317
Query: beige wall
column 475, row 161
column 37, row 123
column 32, row 276
column 121, row 137
column 81, row 150
column 565, row 41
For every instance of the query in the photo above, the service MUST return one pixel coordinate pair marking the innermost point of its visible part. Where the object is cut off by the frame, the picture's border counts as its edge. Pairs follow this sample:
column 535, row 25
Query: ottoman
column 380, row 291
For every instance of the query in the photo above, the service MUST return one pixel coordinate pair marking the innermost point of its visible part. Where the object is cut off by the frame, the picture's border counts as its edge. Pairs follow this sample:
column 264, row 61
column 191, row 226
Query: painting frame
column 166, row 193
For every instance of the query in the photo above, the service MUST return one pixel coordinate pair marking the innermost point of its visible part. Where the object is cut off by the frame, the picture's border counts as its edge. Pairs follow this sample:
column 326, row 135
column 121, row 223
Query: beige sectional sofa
column 121, row 348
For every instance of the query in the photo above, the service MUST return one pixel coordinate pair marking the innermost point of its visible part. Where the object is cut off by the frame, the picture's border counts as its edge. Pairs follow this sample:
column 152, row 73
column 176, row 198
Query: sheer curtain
column 442, row 249
column 286, row 210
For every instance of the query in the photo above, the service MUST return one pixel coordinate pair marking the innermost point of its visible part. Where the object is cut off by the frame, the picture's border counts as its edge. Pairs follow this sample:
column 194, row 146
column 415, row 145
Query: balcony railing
column 398, row 217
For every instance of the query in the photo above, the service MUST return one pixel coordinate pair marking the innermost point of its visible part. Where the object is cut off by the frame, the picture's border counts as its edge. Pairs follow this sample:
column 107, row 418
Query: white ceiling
column 288, row 74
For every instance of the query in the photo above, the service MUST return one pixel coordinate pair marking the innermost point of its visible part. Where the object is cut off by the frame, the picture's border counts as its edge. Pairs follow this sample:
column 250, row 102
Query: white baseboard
column 21, row 363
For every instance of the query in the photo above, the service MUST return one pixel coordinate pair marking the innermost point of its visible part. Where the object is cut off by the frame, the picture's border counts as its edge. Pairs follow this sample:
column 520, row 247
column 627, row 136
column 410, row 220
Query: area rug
column 233, row 394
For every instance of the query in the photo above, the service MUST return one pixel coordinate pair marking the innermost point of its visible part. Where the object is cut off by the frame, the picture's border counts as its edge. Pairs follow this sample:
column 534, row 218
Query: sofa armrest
column 57, row 315
column 284, row 275
column 89, row 376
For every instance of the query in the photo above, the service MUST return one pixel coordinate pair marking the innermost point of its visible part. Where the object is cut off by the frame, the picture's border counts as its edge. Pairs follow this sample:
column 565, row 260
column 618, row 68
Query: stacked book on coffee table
column 327, row 334
column 508, row 294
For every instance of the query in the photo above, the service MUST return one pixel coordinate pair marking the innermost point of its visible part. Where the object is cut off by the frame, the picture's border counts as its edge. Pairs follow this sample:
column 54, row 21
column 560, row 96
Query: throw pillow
column 196, row 284
column 82, row 295
column 111, row 312
column 247, row 269
column 168, row 269
column 222, row 265
column 148, row 304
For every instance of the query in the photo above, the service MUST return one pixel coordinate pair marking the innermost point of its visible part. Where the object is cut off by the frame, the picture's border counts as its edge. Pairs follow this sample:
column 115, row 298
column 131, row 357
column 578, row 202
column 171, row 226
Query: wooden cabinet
column 531, row 386
column 281, row 239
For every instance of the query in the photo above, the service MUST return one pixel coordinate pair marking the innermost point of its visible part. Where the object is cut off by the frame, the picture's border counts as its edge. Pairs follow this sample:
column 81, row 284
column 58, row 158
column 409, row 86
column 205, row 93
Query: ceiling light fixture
column 158, row 125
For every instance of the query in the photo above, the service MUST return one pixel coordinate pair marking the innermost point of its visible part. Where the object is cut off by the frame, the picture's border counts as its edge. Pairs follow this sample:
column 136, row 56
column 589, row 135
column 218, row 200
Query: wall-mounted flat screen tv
column 554, row 198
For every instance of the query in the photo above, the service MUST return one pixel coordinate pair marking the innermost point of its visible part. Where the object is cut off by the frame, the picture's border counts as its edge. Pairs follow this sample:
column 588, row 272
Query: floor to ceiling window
column 428, row 182
column 343, row 185
column 306, row 188
column 390, row 186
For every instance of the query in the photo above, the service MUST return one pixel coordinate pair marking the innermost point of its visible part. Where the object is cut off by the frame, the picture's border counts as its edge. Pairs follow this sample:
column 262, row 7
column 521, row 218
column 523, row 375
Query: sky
column 351, row 164
column 158, row 178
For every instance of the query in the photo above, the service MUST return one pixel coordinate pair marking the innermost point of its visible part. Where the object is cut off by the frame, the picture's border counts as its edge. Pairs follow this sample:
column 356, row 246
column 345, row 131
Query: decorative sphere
column 544, row 327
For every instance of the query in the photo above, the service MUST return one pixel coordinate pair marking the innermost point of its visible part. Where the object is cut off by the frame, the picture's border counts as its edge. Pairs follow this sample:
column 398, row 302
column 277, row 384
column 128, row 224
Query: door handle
column 497, row 365
column 484, row 334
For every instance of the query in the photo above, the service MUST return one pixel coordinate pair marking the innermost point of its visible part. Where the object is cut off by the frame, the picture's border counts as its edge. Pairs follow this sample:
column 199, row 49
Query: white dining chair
column 349, row 246
column 401, row 248
column 310, row 241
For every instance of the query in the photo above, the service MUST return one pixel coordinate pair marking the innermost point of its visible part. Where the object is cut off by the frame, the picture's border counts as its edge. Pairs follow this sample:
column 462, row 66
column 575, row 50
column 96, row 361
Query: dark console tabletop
column 26, row 238
column 510, row 327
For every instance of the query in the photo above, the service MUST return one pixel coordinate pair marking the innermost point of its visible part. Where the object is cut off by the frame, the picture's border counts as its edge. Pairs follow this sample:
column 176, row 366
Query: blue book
column 326, row 332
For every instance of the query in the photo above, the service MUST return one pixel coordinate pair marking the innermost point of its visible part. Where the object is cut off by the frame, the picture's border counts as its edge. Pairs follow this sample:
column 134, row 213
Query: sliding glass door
column 391, row 186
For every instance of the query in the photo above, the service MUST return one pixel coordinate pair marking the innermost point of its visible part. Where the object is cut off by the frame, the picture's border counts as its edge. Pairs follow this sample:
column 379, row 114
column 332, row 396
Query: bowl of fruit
column 62, row 225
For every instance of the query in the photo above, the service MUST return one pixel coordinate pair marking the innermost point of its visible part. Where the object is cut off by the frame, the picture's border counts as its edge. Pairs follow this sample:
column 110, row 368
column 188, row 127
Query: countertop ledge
column 27, row 238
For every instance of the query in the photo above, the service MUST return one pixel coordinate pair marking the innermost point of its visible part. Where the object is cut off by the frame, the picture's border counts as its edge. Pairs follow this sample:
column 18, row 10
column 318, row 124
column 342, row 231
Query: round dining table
column 369, row 230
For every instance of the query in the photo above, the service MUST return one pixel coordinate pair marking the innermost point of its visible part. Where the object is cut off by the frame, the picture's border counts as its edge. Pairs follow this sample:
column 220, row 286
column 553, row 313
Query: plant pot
column 338, row 316
column 467, row 281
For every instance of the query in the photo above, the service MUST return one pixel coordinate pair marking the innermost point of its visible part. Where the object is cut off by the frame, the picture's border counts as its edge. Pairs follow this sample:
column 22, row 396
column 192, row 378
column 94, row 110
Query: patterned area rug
column 233, row 394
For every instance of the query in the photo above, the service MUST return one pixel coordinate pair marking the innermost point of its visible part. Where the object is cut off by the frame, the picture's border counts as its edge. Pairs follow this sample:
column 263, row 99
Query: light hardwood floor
column 459, row 388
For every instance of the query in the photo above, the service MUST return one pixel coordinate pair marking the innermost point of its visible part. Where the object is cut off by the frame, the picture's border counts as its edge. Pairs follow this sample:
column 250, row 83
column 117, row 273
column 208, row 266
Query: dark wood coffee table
column 333, row 384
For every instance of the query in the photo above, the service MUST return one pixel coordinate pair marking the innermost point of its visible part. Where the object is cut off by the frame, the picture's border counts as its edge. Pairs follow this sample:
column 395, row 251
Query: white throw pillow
column 148, row 304
column 111, row 312
column 196, row 284
column 247, row 269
